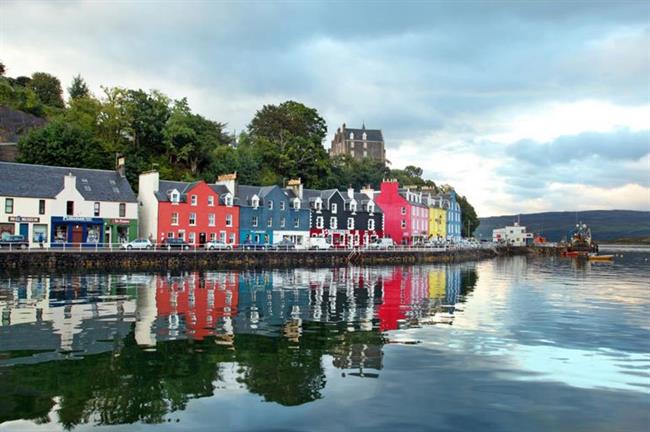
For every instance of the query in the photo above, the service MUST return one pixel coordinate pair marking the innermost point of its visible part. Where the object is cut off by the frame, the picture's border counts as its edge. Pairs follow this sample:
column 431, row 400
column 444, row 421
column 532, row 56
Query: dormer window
column 351, row 135
column 364, row 136
column 371, row 208
column 318, row 205
column 255, row 201
column 353, row 206
column 228, row 200
column 296, row 203
column 174, row 196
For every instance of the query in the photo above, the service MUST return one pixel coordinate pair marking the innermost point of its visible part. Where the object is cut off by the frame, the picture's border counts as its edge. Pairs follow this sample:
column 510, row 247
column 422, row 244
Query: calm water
column 515, row 344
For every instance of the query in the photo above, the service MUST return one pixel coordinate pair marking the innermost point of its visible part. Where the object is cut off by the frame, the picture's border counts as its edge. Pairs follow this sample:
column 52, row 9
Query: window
column 371, row 208
column 352, row 137
column 364, row 137
column 334, row 207
column 170, row 235
column 282, row 205
column 270, row 204
column 181, row 234
column 403, row 223
column 69, row 208
column 254, row 221
column 175, row 197
column 269, row 222
column 191, row 238
column 211, row 219
column 350, row 223
column 96, row 209
column 318, row 204
column 39, row 233
column 403, row 210
column 296, row 204
column 296, row 222
column 192, row 219
column 174, row 218
column 41, row 206
column 353, row 207
column 210, row 200
column 228, row 220
column 333, row 223
column 255, row 202
column 195, row 200
column 371, row 224
column 122, row 210
column 283, row 222
column 229, row 200
column 319, row 222
column 213, row 236
column 222, row 236
column 232, row 237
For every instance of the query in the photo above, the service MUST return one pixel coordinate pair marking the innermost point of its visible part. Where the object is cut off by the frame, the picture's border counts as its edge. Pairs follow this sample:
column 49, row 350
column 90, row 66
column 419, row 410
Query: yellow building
column 437, row 284
column 437, row 223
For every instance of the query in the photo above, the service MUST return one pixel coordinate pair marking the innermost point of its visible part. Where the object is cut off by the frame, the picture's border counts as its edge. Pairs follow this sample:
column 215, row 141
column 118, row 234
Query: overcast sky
column 522, row 106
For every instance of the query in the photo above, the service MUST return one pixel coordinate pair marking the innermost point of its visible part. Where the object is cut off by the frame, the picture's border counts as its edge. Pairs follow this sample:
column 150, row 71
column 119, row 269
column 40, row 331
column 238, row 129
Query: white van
column 382, row 243
column 319, row 243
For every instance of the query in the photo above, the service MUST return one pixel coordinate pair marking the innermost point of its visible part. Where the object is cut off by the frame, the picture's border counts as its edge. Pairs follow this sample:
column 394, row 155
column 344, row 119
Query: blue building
column 453, row 215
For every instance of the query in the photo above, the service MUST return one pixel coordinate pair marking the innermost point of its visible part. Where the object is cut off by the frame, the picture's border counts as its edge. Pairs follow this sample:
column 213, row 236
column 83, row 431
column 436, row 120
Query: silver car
column 137, row 244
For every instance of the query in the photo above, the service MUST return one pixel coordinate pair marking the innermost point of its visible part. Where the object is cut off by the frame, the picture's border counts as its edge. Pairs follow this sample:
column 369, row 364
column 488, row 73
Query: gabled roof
column 42, row 181
column 371, row 134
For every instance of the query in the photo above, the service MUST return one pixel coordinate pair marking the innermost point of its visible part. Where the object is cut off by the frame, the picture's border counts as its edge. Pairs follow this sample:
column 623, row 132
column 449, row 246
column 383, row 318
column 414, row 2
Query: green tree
column 65, row 144
column 2, row 69
column 48, row 89
column 289, row 138
column 20, row 98
column 468, row 217
column 78, row 88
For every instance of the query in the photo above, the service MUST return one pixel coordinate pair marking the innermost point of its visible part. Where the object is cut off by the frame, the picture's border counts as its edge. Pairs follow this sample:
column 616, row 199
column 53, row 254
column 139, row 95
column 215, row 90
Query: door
column 77, row 234
column 201, row 238
column 24, row 230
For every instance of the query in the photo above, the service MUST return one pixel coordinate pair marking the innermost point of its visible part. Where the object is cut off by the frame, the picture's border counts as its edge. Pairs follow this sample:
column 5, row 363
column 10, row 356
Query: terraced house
column 196, row 212
column 57, row 206
column 267, row 214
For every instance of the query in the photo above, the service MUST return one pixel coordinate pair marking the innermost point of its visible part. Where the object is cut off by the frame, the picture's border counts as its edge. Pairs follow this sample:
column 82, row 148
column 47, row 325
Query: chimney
column 120, row 165
column 351, row 192
column 229, row 181
column 369, row 192
column 70, row 181
column 296, row 186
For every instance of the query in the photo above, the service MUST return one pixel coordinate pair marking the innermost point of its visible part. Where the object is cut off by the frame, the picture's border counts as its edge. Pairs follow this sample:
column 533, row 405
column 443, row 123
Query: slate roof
column 41, row 181
column 371, row 134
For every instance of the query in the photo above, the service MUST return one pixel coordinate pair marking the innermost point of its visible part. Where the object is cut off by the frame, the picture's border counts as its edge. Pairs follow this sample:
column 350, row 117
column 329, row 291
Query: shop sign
column 120, row 221
column 76, row 219
column 23, row 219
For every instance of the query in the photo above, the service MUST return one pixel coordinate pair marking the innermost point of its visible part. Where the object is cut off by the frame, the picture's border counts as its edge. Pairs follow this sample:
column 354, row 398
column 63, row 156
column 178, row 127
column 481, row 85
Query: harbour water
column 508, row 344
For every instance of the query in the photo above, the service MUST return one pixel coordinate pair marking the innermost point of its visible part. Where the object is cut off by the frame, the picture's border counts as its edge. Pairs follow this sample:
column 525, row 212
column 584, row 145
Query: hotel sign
column 23, row 219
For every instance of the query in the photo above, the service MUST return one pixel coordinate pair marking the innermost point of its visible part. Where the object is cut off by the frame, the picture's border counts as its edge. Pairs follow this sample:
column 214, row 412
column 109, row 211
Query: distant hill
column 605, row 224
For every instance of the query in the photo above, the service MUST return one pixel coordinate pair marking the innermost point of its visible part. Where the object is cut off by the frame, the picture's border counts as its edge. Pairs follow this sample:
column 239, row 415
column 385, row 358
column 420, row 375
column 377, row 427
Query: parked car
column 14, row 242
column 249, row 245
column 319, row 243
column 285, row 244
column 217, row 245
column 137, row 244
column 382, row 243
column 175, row 243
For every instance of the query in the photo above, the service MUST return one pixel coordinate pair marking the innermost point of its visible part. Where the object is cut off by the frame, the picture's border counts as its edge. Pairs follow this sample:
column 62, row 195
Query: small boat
column 593, row 257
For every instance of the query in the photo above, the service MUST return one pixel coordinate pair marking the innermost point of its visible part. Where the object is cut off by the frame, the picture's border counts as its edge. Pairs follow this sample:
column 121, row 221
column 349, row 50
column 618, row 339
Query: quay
column 90, row 260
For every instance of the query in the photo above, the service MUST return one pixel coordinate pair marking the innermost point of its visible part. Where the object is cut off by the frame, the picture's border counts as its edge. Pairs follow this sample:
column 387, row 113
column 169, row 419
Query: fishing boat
column 580, row 242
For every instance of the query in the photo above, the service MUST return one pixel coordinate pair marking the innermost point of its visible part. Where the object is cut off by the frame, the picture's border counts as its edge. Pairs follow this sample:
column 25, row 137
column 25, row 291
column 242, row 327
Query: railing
column 187, row 248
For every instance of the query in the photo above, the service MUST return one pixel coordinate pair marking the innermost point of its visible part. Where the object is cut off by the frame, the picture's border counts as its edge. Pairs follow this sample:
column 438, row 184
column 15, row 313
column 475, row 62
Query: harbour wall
column 50, row 260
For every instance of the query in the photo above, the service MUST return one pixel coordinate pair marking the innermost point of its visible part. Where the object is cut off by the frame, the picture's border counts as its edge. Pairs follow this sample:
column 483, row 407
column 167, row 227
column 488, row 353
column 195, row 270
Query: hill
column 605, row 224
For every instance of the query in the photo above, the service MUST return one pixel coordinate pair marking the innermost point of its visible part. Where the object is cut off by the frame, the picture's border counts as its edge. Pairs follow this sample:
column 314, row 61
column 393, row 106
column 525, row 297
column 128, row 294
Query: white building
column 514, row 235
column 59, row 205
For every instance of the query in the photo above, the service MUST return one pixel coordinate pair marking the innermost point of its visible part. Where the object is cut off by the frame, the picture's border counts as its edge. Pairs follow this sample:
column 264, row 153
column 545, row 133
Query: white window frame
column 191, row 237
column 296, row 222
column 353, row 206
column 334, row 208
column 210, row 200
column 194, row 200
column 228, row 200
column 403, row 210
column 350, row 223
column 320, row 222
column 211, row 219
column 371, row 207
column 283, row 205
column 283, row 222
column 371, row 224
column 403, row 224
column 255, row 201
column 254, row 221
column 175, row 219
column 270, row 204
column 333, row 222
column 192, row 219
column 296, row 204
column 228, row 220
column 269, row 222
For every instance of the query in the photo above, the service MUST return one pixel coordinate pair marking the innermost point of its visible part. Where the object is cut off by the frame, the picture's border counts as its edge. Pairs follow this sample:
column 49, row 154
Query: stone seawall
column 38, row 261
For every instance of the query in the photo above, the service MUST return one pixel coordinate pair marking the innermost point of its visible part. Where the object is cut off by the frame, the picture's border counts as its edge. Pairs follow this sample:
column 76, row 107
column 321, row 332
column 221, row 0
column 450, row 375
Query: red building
column 196, row 304
column 406, row 217
column 196, row 212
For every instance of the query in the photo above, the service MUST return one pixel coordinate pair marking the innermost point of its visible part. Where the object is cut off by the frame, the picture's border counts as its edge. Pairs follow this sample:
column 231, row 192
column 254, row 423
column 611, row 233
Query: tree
column 78, row 88
column 48, row 89
column 468, row 217
column 289, row 138
column 63, row 143
column 2, row 69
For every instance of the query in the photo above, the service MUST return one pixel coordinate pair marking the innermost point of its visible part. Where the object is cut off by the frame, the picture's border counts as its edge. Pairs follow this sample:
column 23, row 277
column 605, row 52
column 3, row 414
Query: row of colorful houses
column 55, row 206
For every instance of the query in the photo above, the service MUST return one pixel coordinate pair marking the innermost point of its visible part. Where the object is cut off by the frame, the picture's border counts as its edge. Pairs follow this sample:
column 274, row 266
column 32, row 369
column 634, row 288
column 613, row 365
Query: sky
column 522, row 106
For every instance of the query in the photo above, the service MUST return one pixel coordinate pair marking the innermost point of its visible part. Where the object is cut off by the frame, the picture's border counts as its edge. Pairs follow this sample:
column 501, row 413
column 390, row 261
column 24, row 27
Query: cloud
column 463, row 89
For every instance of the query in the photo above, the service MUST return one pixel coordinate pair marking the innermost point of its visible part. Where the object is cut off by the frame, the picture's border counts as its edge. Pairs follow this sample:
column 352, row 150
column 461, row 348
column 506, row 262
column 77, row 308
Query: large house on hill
column 56, row 206
column 359, row 143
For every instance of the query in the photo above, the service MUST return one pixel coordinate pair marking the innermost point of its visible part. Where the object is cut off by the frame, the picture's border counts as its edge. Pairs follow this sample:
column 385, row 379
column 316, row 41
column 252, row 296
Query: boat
column 580, row 243
column 594, row 257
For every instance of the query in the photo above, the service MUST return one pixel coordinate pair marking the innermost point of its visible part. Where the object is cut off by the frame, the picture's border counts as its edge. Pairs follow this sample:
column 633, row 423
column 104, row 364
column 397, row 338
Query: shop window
column 229, row 220
column 93, row 234
column 69, row 208
column 39, row 233
column 192, row 219
column 122, row 234
column 9, row 205
column 96, row 209
column 122, row 210
column 41, row 207
column 61, row 233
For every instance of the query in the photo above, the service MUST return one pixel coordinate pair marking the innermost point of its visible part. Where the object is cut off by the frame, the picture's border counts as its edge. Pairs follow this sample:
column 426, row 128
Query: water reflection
column 115, row 349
